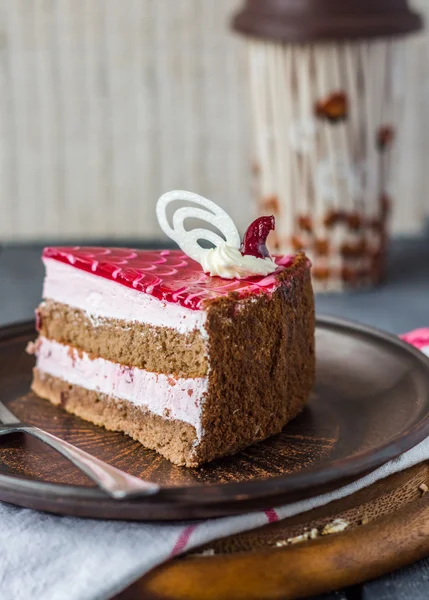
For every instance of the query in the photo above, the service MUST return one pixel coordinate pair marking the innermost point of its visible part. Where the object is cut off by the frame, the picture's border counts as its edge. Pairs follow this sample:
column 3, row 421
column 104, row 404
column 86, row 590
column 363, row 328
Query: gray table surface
column 399, row 305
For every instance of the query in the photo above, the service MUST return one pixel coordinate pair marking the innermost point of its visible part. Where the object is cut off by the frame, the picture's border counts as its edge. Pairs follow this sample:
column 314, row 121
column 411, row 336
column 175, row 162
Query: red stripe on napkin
column 183, row 540
column 271, row 515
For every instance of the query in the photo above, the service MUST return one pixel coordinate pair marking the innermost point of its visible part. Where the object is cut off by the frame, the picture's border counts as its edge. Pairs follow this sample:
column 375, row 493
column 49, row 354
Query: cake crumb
column 307, row 535
column 298, row 538
column 31, row 348
column 335, row 526
column 206, row 552
column 424, row 489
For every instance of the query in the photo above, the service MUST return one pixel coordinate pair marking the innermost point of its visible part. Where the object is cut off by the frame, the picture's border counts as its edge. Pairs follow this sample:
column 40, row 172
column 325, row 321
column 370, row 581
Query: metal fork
column 114, row 482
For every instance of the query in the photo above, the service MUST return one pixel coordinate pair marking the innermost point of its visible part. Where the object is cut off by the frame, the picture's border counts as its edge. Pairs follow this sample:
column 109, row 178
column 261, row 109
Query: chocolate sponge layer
column 262, row 363
column 172, row 438
column 156, row 349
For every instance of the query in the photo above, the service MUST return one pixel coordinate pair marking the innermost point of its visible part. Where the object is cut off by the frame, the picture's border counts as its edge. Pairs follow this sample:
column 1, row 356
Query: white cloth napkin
column 64, row 558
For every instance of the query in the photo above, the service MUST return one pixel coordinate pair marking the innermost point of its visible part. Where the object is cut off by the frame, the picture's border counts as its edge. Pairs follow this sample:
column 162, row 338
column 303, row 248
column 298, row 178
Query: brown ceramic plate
column 370, row 403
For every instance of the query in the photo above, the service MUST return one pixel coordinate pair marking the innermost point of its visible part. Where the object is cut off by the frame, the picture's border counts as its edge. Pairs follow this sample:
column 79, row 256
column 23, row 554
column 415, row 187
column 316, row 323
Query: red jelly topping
column 168, row 275
column 255, row 238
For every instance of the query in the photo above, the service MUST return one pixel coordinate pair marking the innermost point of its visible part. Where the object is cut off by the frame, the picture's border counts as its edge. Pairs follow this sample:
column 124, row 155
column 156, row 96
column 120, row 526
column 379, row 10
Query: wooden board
column 388, row 528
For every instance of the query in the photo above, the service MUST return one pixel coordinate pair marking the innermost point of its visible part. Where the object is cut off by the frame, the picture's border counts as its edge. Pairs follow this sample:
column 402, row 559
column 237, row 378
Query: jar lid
column 312, row 20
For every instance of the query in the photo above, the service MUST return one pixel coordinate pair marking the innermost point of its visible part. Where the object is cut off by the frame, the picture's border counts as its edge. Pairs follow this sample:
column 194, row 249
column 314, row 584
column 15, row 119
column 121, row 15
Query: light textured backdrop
column 105, row 104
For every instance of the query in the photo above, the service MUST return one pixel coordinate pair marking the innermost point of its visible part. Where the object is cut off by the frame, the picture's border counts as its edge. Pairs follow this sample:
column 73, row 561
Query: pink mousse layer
column 164, row 395
column 168, row 275
column 100, row 297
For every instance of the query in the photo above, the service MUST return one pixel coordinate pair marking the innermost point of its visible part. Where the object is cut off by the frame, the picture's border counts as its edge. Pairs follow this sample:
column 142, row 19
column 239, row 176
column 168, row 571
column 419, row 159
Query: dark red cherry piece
column 254, row 240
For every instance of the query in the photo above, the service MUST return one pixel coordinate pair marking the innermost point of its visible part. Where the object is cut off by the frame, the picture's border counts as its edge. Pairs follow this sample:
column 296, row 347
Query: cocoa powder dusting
column 271, row 204
column 297, row 243
column 321, row 273
column 305, row 223
column 354, row 250
column 321, row 247
column 354, row 221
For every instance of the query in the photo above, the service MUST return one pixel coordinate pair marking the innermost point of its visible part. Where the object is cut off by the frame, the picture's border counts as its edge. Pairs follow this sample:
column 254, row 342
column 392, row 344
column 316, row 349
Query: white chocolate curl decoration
column 225, row 260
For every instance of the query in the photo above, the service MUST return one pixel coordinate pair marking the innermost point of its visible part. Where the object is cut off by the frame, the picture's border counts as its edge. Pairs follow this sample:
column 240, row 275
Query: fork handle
column 111, row 480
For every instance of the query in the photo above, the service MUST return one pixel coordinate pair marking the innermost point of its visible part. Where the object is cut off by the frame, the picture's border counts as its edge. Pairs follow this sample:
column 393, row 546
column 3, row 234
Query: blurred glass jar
column 325, row 83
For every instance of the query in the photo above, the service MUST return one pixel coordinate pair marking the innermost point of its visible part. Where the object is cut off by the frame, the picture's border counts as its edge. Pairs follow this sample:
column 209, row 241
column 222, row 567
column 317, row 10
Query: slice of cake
column 192, row 365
